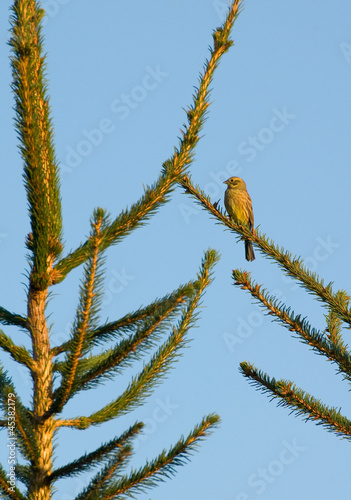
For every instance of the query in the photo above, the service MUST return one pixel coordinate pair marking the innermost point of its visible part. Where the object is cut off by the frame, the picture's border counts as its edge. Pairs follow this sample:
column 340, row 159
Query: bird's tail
column 249, row 251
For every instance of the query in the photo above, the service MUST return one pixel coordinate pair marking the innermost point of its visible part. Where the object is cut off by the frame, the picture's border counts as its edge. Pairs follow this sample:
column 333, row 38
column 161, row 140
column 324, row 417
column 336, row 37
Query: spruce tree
column 158, row 330
column 328, row 342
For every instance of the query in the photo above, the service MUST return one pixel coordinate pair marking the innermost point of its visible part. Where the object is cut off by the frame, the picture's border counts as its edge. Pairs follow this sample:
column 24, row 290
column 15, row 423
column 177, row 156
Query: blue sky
column 119, row 75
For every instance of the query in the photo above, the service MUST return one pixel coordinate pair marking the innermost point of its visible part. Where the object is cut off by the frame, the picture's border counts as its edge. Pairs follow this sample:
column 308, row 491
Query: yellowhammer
column 238, row 204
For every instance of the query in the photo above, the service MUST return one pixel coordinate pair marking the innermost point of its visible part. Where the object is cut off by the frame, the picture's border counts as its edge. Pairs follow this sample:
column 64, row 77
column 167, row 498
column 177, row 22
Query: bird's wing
column 251, row 215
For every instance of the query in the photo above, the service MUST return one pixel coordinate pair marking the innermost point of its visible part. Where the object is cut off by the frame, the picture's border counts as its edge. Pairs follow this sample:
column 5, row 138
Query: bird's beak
column 225, row 182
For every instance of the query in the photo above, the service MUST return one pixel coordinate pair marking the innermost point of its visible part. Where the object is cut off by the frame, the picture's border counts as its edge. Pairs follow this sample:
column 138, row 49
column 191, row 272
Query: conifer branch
column 11, row 494
column 293, row 266
column 35, row 132
column 11, row 319
column 93, row 490
column 23, row 418
column 331, row 348
column 161, row 362
column 298, row 401
column 114, row 360
column 18, row 353
column 85, row 318
column 156, row 369
column 98, row 456
column 334, row 324
column 138, row 320
column 173, row 168
column 23, row 473
column 159, row 469
column 144, row 318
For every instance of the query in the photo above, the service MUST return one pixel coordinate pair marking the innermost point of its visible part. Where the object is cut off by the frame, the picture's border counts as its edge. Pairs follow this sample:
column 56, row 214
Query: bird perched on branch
column 238, row 204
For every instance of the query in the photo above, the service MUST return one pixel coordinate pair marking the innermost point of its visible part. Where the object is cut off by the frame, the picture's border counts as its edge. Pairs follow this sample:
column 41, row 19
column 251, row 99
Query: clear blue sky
column 119, row 75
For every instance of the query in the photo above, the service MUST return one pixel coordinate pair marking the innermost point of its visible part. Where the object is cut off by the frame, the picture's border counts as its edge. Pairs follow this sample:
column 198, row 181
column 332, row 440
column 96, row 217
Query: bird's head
column 235, row 183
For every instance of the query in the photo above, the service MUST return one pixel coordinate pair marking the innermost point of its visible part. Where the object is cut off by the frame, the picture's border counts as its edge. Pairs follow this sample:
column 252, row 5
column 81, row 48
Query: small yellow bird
column 238, row 204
